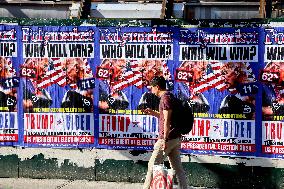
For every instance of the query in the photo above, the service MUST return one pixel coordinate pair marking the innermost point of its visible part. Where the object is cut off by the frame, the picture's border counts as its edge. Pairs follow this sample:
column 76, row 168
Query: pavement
column 25, row 183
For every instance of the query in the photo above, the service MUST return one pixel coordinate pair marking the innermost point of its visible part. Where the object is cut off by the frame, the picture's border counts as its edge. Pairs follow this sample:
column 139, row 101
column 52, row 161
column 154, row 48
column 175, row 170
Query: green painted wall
column 199, row 174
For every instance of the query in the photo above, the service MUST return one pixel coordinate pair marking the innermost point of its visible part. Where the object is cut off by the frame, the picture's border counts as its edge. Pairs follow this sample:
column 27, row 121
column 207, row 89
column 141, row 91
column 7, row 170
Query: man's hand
column 151, row 112
column 164, row 145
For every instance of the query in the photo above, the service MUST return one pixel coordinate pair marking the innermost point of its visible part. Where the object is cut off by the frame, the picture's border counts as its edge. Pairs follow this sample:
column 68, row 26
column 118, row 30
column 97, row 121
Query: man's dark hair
column 159, row 81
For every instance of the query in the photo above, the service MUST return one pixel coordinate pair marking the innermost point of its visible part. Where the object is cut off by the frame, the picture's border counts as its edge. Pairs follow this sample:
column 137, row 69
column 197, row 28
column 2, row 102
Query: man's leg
column 175, row 161
column 156, row 159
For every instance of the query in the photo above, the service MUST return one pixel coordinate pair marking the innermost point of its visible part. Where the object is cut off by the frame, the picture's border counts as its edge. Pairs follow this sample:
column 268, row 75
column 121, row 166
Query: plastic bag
column 162, row 177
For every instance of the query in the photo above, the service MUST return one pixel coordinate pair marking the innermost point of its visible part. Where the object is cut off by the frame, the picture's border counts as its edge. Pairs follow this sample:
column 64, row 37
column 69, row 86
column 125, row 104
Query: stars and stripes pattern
column 275, row 67
column 214, row 79
column 58, row 74
column 8, row 71
column 9, row 67
column 133, row 75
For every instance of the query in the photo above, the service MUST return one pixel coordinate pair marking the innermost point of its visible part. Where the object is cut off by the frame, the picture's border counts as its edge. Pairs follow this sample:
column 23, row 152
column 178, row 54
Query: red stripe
column 223, row 88
column 216, row 68
column 60, row 139
column 54, row 82
column 209, row 79
column 210, row 86
column 48, row 77
column 8, row 137
column 127, row 84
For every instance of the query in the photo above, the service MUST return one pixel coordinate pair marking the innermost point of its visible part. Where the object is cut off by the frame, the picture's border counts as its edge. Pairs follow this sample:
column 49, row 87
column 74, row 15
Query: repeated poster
column 9, row 83
column 129, row 59
column 57, row 86
column 272, row 77
column 81, row 87
column 217, row 74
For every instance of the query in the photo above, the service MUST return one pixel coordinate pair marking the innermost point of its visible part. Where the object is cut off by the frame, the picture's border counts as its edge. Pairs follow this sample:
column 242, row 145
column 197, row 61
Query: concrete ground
column 24, row 183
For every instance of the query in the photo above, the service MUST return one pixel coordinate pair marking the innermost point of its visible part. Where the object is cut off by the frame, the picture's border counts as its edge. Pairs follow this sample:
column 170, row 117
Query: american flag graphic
column 8, row 71
column 133, row 75
column 9, row 68
column 276, row 67
column 214, row 79
column 58, row 75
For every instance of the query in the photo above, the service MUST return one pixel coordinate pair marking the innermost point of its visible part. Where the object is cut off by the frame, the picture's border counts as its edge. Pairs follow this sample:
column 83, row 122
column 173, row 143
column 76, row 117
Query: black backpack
column 182, row 117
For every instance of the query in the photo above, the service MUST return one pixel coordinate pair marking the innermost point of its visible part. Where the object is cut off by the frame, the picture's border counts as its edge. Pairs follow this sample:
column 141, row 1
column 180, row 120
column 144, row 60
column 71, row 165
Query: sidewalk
column 24, row 183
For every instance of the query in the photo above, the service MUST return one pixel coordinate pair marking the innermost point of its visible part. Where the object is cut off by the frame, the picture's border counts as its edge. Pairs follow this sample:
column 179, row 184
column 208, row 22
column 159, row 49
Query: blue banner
column 272, row 77
column 217, row 74
column 86, row 87
column 57, row 86
column 129, row 59
column 9, row 84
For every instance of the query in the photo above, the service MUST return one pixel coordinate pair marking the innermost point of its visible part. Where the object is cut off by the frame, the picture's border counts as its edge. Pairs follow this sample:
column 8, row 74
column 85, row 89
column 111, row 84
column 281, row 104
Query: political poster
column 217, row 74
column 272, row 78
column 129, row 59
column 57, row 86
column 9, row 84
column 82, row 87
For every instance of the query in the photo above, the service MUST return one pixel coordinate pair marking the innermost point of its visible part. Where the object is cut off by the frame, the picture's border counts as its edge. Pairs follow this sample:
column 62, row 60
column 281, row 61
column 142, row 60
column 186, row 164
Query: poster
column 129, row 59
column 57, row 86
column 217, row 74
column 272, row 78
column 82, row 87
column 9, row 83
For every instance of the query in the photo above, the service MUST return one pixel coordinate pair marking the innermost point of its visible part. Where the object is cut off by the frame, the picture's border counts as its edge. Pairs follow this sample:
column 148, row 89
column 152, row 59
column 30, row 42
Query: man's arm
column 167, row 122
column 151, row 112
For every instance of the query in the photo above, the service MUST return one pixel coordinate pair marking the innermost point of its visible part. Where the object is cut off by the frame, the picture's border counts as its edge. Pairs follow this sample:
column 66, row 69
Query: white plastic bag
column 162, row 177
